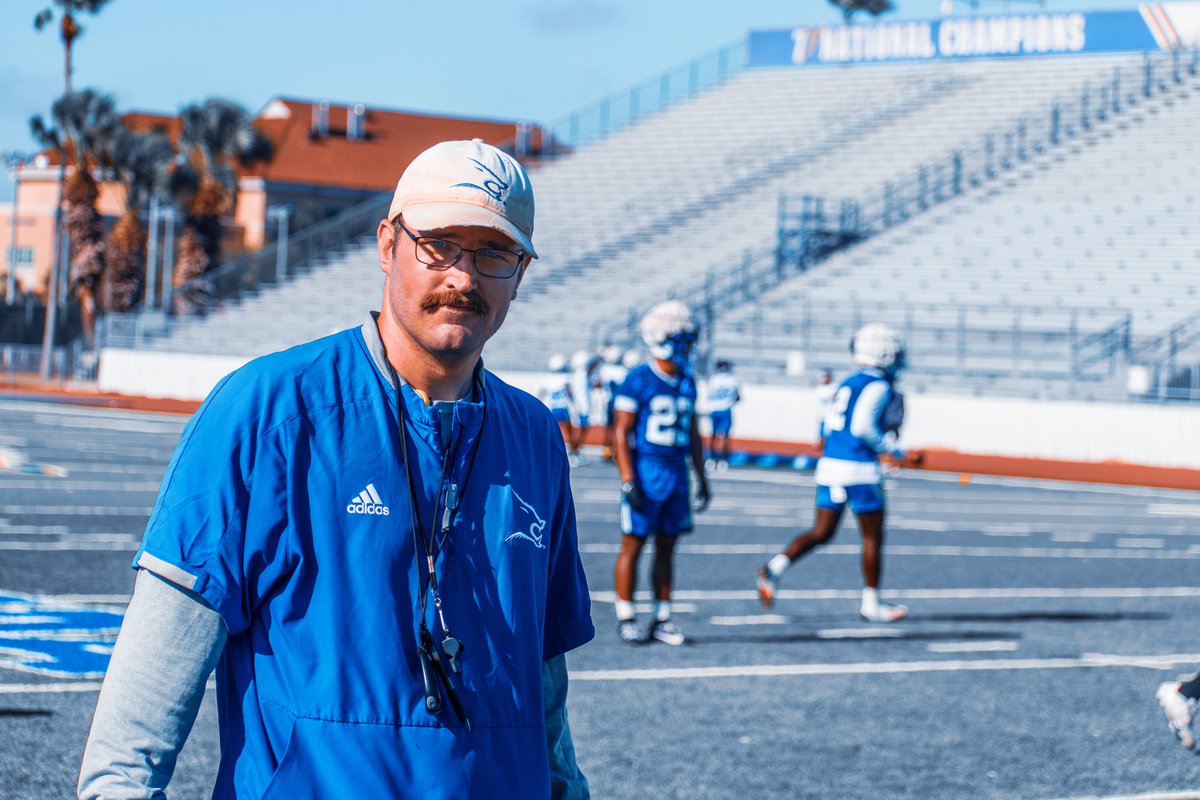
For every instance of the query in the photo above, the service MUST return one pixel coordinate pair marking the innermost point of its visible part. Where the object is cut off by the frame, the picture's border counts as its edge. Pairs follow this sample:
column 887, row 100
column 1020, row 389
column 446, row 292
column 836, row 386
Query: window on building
column 20, row 256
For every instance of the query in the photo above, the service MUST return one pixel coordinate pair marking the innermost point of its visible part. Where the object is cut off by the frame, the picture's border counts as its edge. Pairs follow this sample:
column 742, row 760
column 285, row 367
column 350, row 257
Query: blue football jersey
column 854, row 430
column 723, row 392
column 664, row 405
column 556, row 392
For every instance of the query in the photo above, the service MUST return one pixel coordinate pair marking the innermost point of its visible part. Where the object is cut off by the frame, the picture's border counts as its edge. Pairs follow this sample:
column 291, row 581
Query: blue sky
column 512, row 59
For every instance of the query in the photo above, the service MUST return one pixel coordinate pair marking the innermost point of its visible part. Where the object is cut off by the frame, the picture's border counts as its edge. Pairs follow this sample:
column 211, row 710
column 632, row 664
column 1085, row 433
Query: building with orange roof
column 327, row 157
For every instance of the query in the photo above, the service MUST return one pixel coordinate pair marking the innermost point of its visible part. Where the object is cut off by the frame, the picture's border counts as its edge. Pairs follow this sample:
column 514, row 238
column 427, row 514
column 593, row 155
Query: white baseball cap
column 466, row 183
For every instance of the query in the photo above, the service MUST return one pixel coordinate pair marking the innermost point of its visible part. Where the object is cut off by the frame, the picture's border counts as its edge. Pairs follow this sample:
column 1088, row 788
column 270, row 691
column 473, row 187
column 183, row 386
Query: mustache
column 457, row 299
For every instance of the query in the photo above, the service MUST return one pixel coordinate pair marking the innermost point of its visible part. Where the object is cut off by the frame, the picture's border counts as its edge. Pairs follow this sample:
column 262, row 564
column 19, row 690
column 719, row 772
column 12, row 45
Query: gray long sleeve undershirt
column 169, row 644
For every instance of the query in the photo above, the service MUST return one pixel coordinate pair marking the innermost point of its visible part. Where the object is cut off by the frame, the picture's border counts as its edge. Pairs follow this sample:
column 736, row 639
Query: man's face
column 449, row 313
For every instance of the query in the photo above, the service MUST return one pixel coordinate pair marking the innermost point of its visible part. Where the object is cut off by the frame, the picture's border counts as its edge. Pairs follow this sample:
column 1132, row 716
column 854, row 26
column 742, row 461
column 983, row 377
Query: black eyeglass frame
column 520, row 256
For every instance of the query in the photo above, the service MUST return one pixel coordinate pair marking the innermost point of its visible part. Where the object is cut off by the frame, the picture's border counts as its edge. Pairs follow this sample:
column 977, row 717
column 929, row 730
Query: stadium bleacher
column 1082, row 239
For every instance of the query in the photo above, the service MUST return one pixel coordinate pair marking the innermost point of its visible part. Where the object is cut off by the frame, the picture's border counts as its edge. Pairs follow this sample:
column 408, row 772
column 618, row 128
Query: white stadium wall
column 176, row 376
column 1133, row 433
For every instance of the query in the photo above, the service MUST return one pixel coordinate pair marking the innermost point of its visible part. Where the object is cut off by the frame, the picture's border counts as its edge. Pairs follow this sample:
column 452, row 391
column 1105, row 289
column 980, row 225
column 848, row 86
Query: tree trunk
column 124, row 276
column 199, row 247
column 86, row 232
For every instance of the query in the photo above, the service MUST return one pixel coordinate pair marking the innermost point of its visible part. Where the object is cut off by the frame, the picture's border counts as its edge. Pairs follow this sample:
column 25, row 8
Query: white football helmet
column 612, row 353
column 557, row 363
column 580, row 359
column 669, row 332
column 631, row 359
column 877, row 345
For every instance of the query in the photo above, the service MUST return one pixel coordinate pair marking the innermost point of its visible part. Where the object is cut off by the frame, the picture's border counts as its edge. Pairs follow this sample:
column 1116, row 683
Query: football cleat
column 767, row 588
column 884, row 613
column 667, row 632
column 629, row 631
column 1179, row 711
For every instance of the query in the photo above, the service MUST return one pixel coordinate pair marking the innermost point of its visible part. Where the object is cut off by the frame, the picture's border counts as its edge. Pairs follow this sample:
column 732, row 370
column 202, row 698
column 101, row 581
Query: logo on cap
column 496, row 188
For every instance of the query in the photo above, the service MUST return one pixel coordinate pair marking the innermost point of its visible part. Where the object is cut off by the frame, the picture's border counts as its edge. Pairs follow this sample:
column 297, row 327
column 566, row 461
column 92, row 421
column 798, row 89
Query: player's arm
column 622, row 430
column 865, row 421
column 566, row 780
column 169, row 643
column 697, row 453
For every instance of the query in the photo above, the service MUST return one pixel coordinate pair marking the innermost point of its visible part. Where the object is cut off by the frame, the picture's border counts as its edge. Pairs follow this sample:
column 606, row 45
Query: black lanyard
column 446, row 499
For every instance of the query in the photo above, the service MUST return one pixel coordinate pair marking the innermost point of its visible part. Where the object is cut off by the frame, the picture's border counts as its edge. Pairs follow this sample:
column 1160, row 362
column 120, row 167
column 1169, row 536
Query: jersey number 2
column 669, row 421
column 835, row 417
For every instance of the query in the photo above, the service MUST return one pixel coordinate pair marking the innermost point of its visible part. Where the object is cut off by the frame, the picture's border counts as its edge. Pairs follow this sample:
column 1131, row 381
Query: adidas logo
column 368, row 502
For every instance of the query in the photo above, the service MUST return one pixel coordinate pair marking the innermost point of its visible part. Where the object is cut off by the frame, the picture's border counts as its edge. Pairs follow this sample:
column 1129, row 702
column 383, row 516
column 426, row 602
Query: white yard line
column 1142, row 551
column 965, row 593
column 1181, row 794
column 1087, row 661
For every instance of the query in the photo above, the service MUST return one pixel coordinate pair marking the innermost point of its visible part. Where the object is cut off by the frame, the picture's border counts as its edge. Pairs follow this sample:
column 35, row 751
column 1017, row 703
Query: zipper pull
column 451, row 505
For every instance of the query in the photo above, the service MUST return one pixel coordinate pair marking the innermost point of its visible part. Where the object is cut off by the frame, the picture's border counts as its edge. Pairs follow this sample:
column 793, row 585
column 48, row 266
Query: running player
column 724, row 393
column 1178, row 700
column 856, row 431
column 654, row 408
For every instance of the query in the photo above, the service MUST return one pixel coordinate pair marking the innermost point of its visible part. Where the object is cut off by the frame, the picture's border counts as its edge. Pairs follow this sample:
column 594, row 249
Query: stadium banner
column 1152, row 26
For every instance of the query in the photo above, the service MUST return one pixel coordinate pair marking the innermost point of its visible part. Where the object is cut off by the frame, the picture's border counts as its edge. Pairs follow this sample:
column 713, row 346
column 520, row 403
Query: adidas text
column 368, row 508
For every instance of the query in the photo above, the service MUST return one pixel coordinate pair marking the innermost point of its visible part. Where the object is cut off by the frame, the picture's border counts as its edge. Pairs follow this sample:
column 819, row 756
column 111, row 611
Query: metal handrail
column 650, row 221
column 252, row 270
column 1007, row 147
column 621, row 109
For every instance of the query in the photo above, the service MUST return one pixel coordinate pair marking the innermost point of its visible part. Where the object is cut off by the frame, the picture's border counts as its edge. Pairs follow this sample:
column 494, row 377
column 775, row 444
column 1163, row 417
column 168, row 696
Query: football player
column 862, row 423
column 656, row 434
column 583, row 369
column 556, row 394
column 724, row 393
column 826, row 389
column 611, row 375
column 1178, row 700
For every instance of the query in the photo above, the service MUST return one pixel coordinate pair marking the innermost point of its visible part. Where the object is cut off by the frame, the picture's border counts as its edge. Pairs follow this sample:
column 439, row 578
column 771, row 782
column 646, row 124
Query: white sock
column 662, row 610
column 624, row 609
column 778, row 565
column 870, row 601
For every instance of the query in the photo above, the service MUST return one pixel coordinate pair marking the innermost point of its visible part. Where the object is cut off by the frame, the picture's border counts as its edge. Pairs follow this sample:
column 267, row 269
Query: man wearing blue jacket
column 861, row 423
column 372, row 539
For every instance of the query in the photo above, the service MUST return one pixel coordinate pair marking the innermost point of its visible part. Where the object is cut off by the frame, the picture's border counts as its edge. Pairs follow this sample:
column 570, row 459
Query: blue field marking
column 54, row 639
column 740, row 458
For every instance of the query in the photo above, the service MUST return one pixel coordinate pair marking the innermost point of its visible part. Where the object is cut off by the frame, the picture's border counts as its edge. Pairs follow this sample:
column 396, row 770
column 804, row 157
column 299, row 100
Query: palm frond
column 88, row 121
column 44, row 135
column 77, row 6
column 141, row 161
column 220, row 131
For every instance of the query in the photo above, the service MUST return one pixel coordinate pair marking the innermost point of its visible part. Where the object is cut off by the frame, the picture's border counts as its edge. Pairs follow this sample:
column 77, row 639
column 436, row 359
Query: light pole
column 168, row 270
column 280, row 215
column 152, row 254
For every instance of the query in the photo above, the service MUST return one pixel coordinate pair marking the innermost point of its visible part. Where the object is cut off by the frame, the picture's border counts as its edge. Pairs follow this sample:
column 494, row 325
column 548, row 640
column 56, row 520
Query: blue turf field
column 1043, row 617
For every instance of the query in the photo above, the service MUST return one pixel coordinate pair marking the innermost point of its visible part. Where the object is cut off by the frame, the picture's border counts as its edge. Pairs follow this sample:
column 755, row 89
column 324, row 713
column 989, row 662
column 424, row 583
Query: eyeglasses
column 441, row 254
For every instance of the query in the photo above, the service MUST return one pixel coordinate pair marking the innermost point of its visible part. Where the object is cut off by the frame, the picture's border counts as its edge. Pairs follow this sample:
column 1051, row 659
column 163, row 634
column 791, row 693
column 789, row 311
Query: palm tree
column 218, row 135
column 140, row 161
column 86, row 124
column 68, row 28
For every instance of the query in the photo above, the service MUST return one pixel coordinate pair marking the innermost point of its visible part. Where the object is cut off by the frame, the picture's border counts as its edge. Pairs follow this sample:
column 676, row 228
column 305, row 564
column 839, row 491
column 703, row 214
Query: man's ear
column 385, row 240
column 521, row 276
